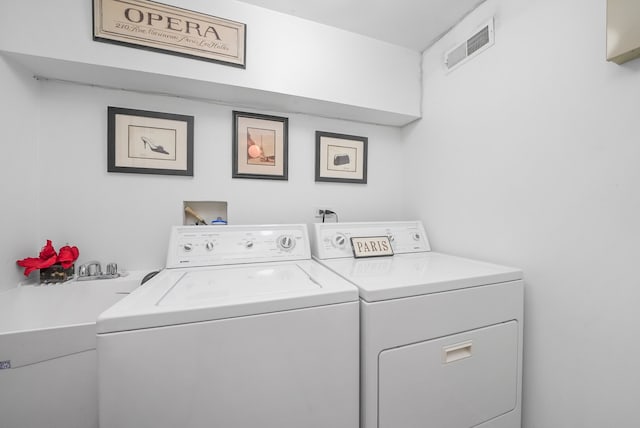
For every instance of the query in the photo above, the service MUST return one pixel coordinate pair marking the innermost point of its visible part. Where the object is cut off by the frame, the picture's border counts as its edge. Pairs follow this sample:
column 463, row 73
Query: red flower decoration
column 47, row 251
column 67, row 256
column 49, row 257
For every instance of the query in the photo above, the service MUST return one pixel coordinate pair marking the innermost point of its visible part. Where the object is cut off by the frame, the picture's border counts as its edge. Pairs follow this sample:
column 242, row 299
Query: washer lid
column 406, row 275
column 206, row 287
column 178, row 296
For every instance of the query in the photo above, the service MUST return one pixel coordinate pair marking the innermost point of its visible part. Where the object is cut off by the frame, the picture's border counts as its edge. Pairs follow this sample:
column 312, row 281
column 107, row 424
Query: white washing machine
column 441, row 336
column 242, row 329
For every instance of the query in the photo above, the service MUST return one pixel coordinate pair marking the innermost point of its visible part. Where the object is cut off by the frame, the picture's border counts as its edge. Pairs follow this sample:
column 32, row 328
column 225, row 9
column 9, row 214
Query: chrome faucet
column 93, row 270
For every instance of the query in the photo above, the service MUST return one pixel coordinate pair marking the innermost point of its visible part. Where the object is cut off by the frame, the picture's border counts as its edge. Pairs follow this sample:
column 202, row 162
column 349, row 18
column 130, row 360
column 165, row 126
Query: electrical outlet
column 318, row 212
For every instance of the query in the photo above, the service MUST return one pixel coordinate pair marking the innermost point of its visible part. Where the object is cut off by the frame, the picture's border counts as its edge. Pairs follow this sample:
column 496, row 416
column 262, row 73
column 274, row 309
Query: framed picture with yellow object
column 260, row 146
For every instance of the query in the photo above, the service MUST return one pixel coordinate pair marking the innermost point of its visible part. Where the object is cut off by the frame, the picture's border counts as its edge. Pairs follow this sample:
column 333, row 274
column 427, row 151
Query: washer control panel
column 333, row 240
column 222, row 245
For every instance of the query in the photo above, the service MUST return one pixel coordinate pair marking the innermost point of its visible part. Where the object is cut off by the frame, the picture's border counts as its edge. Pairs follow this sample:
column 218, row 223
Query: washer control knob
column 416, row 236
column 187, row 247
column 248, row 245
column 286, row 242
column 339, row 240
column 208, row 245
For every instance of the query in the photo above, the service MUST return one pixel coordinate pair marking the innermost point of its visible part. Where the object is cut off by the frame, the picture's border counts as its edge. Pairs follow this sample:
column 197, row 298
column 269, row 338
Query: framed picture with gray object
column 148, row 142
column 341, row 158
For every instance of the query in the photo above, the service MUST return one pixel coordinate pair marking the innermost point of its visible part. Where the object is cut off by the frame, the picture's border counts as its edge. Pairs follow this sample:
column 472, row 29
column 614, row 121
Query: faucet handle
column 112, row 269
column 82, row 270
column 93, row 268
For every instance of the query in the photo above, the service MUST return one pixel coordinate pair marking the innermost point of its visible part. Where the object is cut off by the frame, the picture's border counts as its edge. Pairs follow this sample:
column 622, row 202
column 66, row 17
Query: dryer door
column 457, row 381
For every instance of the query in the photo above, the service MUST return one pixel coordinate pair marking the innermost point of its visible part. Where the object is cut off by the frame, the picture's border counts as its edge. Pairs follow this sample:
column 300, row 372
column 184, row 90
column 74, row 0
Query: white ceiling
column 415, row 24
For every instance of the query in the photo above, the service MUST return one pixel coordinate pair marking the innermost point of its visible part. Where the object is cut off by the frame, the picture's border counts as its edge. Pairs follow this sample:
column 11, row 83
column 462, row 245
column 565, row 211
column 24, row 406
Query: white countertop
column 35, row 307
column 40, row 322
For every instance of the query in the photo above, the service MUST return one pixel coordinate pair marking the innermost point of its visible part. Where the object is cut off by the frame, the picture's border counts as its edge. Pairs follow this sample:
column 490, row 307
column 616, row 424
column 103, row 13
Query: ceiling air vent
column 479, row 41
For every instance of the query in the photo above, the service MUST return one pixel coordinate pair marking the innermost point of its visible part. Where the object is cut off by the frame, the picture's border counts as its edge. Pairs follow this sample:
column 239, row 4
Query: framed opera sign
column 155, row 26
column 148, row 142
column 341, row 158
column 260, row 146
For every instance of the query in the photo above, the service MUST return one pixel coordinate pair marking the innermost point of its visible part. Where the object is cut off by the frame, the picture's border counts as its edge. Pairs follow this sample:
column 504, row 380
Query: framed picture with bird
column 260, row 146
column 148, row 142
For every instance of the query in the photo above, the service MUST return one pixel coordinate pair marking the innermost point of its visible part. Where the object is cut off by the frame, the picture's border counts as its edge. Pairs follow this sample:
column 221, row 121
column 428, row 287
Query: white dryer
column 242, row 329
column 441, row 336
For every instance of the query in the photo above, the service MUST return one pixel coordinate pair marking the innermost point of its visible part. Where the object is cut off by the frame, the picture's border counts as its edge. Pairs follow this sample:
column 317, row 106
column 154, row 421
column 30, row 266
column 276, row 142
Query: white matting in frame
column 147, row 142
column 260, row 146
column 341, row 158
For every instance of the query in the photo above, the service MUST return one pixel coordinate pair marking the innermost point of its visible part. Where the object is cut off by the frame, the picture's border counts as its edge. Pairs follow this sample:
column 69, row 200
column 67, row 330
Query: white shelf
column 207, row 91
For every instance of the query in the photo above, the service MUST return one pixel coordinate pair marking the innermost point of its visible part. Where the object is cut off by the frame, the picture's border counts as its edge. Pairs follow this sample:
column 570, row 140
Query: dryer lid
column 407, row 275
column 179, row 296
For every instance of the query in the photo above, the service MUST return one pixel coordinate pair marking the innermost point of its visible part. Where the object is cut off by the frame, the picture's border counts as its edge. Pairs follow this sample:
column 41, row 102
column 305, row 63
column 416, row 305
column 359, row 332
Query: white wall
column 526, row 155
column 529, row 155
column 126, row 218
column 65, row 193
column 286, row 59
column 19, row 119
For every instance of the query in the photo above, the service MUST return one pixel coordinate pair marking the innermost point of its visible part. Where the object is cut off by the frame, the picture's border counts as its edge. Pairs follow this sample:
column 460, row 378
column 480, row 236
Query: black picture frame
column 260, row 146
column 149, row 142
column 341, row 158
